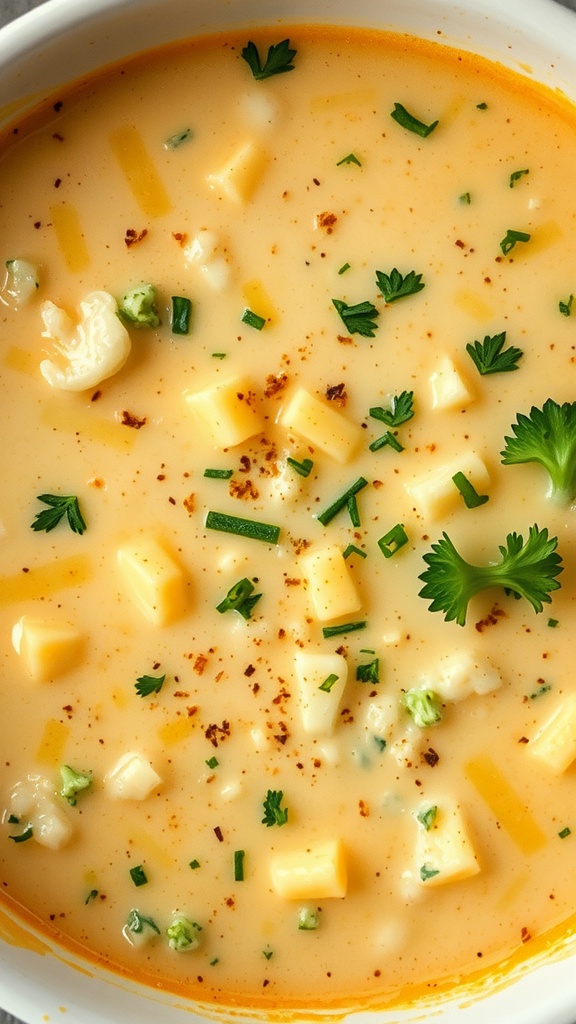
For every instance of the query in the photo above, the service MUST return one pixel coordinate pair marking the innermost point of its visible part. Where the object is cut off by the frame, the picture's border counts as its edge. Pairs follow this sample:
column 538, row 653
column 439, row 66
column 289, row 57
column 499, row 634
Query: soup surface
column 242, row 758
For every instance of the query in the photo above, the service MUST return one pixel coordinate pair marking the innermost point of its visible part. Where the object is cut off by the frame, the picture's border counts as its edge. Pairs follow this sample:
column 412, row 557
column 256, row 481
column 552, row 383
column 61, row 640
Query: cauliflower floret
column 34, row 801
column 93, row 349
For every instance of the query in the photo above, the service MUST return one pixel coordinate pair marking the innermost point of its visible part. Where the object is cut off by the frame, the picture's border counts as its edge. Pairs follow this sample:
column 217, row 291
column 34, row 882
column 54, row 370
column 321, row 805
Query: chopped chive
column 242, row 527
column 380, row 742
column 482, row 106
column 552, row 623
column 350, row 159
column 471, row 497
column 465, row 198
column 392, row 541
column 353, row 550
column 215, row 960
column 240, row 598
column 239, row 865
column 346, row 627
column 91, row 896
column 341, row 502
column 13, row 820
column 516, row 175
column 328, row 683
column 427, row 872
column 178, row 139
column 344, row 268
column 387, row 439
column 511, row 238
column 544, row 688
column 219, row 355
column 352, row 506
column 138, row 875
column 252, row 319
column 407, row 120
column 268, row 953
column 194, row 864
column 564, row 833
column 368, row 673
column 181, row 311
column 23, row 836
column 218, row 474
column 566, row 307
column 427, row 817
column 303, row 468
column 212, row 762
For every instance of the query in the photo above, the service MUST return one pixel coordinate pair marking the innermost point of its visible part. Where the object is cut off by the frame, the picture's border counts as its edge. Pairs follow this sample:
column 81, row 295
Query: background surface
column 10, row 9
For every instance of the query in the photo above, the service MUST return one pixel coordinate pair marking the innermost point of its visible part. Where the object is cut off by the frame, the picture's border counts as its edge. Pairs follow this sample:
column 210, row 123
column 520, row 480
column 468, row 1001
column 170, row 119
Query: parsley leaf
column 358, row 319
column 490, row 356
column 279, row 59
column 145, row 686
column 547, row 436
column 407, row 120
column 400, row 412
column 396, row 286
column 273, row 813
column 59, row 505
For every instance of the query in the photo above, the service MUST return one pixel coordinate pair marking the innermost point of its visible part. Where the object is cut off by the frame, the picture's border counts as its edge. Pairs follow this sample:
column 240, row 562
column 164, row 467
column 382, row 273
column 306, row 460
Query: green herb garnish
column 278, row 60
column 242, row 527
column 566, row 307
column 392, row 541
column 345, row 627
column 274, row 814
column 342, row 502
column 59, row 505
column 138, row 876
column 181, row 313
column 369, row 673
column 303, row 468
column 183, row 934
column 252, row 319
column 218, row 474
column 178, row 139
column 387, row 440
column 239, row 865
column 23, row 837
column 394, row 286
column 471, row 497
column 511, row 238
column 240, row 598
column 401, row 410
column 427, row 817
column 547, row 436
column 407, row 120
column 490, row 356
column 427, row 872
column 73, row 782
column 328, row 683
column 350, row 159
column 353, row 550
column 145, row 686
column 358, row 319
column 516, row 175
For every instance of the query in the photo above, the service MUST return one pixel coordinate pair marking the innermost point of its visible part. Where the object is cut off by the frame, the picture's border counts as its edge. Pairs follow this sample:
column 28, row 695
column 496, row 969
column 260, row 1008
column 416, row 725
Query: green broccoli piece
column 138, row 307
column 547, row 436
column 183, row 934
column 73, row 782
column 526, row 570
column 424, row 706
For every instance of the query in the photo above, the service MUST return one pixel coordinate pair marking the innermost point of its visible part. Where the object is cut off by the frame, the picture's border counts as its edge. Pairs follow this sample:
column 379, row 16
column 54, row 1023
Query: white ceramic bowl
column 58, row 42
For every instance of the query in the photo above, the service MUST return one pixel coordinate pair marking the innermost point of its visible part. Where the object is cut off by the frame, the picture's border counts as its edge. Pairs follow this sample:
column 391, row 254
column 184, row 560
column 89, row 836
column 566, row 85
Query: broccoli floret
column 73, row 782
column 138, row 307
column 424, row 706
column 547, row 436
column 183, row 934
column 526, row 570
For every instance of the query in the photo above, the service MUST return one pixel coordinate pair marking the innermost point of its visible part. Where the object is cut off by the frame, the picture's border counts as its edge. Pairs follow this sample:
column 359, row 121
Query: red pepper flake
column 491, row 619
column 218, row 834
column 132, row 237
column 181, row 237
column 189, row 503
column 326, row 221
column 249, row 671
column 525, row 935
column 244, row 490
column 363, row 809
column 129, row 419
column 200, row 664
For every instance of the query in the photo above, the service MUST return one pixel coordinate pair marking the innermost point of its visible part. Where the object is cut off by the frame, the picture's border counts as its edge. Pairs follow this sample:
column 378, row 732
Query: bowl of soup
column 288, row 407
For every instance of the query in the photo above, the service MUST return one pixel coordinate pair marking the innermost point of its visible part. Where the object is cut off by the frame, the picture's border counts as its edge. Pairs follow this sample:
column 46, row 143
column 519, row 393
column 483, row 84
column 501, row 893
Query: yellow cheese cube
column 435, row 493
column 319, row 708
column 226, row 412
column 47, row 649
column 315, row 872
column 318, row 423
column 332, row 588
column 449, row 390
column 444, row 852
column 131, row 778
column 238, row 178
column 154, row 580
column 555, row 743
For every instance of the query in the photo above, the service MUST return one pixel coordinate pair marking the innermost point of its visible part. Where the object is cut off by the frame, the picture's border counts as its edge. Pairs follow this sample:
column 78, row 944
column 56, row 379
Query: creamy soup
column 279, row 352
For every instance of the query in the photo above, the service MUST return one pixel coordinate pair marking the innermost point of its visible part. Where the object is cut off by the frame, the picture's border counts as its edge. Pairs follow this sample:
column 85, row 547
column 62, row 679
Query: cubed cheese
column 332, row 589
column 319, row 708
column 131, row 778
column 239, row 176
column 316, row 871
column 449, row 390
column 444, row 852
column 46, row 649
column 435, row 493
column 325, row 428
column 155, row 581
column 555, row 743
column 226, row 412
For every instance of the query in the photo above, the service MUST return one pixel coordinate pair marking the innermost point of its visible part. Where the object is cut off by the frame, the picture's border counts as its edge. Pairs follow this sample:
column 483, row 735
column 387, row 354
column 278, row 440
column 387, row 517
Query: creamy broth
column 331, row 189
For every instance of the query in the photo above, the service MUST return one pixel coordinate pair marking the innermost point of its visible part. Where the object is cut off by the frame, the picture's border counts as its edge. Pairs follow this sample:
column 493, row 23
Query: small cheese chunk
column 319, row 708
column 206, row 250
column 444, row 852
column 131, row 778
column 318, row 423
column 238, row 178
column 555, row 743
column 47, row 649
column 435, row 493
column 317, row 871
column 226, row 412
column 332, row 588
column 462, row 673
column 155, row 581
column 449, row 391
column 92, row 350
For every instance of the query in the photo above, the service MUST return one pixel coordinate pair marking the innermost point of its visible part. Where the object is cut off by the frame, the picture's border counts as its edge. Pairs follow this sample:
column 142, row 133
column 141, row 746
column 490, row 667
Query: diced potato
column 462, row 673
column 435, row 493
column 332, row 588
column 47, row 649
column 444, row 852
column 555, row 743
column 315, row 872
column 226, row 412
column 449, row 390
column 319, row 708
column 34, row 802
column 205, row 250
column 154, row 579
column 238, row 178
column 318, row 423
column 131, row 778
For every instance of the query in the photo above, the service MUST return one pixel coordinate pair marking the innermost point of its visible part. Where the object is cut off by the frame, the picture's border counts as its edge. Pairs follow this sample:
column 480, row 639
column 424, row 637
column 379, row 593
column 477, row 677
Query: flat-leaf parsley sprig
column 526, row 570
column 357, row 319
column 278, row 60
column 59, row 505
column 395, row 286
column 547, row 436
column 490, row 356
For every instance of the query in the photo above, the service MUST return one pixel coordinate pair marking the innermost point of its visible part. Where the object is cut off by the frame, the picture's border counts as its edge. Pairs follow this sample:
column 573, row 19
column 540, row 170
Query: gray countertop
column 10, row 9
